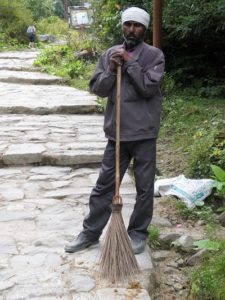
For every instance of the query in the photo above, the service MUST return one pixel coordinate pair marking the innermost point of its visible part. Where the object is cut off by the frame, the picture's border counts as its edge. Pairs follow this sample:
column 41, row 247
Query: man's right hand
column 117, row 58
column 115, row 61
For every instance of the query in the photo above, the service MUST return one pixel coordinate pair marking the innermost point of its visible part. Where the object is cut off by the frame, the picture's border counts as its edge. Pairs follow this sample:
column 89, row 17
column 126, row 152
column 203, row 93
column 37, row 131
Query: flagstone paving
column 51, row 144
column 42, row 208
column 51, row 139
column 45, row 99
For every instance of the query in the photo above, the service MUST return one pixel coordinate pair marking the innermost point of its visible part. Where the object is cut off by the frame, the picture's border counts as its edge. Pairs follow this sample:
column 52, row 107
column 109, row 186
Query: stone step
column 18, row 65
column 33, row 78
column 18, row 61
column 23, row 55
column 43, row 99
column 52, row 139
column 36, row 225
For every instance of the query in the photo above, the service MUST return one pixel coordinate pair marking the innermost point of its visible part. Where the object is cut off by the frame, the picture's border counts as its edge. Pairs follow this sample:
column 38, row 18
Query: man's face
column 133, row 33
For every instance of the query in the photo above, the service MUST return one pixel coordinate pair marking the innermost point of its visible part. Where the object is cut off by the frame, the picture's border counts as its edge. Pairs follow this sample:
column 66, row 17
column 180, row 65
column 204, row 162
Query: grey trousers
column 144, row 164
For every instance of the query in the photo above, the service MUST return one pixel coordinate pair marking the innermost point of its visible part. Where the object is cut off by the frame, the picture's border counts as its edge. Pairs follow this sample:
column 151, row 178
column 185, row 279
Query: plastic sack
column 189, row 191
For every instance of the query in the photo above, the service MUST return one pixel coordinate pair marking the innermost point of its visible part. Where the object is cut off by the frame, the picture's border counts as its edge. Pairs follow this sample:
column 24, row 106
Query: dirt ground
column 171, row 271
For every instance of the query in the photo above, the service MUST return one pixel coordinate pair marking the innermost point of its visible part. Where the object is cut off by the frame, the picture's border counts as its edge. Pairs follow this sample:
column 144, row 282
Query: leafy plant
column 206, row 244
column 40, row 9
column 153, row 236
column 14, row 19
column 52, row 25
column 101, row 103
column 195, row 125
column 60, row 61
column 208, row 280
column 204, row 213
column 219, row 175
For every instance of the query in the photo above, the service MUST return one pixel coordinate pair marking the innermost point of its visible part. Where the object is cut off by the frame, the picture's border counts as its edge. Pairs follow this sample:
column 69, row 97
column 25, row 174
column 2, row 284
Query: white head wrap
column 137, row 15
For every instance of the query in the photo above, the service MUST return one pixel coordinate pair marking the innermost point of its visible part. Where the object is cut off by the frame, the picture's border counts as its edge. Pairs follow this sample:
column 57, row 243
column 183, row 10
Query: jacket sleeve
column 147, row 81
column 103, row 79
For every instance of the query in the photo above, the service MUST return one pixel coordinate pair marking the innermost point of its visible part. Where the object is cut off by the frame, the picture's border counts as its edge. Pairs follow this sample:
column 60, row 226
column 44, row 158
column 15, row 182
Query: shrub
column 208, row 148
column 208, row 281
column 197, row 126
column 79, row 40
column 153, row 235
column 59, row 60
column 52, row 25
column 15, row 19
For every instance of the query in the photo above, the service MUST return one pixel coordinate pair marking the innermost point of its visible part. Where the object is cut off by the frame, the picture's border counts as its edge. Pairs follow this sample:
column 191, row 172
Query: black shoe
column 80, row 243
column 138, row 245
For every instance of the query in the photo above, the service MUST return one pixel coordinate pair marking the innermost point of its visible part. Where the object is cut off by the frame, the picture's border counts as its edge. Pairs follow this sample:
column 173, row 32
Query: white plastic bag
column 188, row 190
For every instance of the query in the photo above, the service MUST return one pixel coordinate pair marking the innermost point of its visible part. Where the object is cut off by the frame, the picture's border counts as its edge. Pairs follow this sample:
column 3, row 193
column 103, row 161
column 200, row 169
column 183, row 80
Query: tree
column 15, row 18
column 41, row 8
column 58, row 8
column 194, row 40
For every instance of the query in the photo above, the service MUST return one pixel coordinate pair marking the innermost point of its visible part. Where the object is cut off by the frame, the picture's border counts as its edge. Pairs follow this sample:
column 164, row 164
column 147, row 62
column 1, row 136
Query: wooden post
column 157, row 22
column 66, row 9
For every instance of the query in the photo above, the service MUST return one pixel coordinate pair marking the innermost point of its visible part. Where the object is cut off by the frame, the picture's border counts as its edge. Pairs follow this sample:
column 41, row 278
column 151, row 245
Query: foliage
column 204, row 213
column 40, row 9
column 107, row 18
column 194, row 43
column 168, row 85
column 59, row 60
column 52, row 25
column 58, row 8
column 101, row 104
column 207, row 245
column 14, row 21
column 79, row 40
column 219, row 175
column 208, row 280
column 153, row 235
column 196, row 125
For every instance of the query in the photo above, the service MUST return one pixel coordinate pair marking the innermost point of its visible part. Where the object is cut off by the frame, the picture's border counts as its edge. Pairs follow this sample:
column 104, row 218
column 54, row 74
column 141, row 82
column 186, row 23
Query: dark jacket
column 141, row 99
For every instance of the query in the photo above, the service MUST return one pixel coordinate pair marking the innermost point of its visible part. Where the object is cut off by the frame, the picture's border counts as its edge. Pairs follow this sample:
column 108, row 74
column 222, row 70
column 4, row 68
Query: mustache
column 130, row 36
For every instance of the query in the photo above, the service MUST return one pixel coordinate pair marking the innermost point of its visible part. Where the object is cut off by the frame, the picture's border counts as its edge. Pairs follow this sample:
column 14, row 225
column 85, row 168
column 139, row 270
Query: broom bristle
column 117, row 261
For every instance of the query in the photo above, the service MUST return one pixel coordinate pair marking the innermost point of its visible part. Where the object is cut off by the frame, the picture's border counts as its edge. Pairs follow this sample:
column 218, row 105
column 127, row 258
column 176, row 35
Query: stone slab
column 34, row 264
column 18, row 64
column 44, row 99
column 29, row 77
column 62, row 140
column 21, row 154
column 25, row 54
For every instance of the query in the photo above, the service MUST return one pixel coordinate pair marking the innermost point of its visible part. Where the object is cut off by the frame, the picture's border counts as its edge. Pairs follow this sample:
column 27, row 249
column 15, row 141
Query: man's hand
column 118, row 57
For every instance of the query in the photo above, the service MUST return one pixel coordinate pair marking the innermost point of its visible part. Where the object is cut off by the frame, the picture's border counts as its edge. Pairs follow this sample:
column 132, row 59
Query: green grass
column 153, row 236
column 208, row 280
column 204, row 213
column 196, row 127
column 59, row 61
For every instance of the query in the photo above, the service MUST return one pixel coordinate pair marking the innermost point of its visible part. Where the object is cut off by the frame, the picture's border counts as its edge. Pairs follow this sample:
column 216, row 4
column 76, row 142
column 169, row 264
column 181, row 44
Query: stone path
column 51, row 146
column 39, row 99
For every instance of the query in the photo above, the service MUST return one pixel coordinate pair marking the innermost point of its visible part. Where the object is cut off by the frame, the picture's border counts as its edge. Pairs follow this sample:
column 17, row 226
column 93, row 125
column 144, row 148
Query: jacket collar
column 137, row 50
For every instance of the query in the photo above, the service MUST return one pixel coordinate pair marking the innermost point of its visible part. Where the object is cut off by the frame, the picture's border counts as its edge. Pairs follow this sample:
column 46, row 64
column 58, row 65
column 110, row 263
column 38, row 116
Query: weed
column 196, row 125
column 204, row 213
column 219, row 180
column 153, row 235
column 101, row 103
column 208, row 281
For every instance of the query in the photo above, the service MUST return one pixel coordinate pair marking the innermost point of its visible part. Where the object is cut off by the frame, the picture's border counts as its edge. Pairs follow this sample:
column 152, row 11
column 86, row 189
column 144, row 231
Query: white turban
column 137, row 15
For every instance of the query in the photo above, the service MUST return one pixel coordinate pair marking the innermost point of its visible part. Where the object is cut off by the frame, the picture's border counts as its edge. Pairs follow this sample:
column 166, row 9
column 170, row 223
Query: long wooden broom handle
column 117, row 197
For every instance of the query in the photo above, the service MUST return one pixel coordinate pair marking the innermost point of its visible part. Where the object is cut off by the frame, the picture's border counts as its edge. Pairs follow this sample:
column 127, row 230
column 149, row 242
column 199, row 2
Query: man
column 31, row 30
column 141, row 101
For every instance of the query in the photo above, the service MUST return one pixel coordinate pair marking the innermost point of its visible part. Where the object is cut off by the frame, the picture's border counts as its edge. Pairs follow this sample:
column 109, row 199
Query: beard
column 131, row 40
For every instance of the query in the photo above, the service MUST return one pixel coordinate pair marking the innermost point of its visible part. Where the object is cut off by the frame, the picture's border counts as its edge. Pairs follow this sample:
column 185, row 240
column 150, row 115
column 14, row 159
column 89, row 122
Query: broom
column 117, row 260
